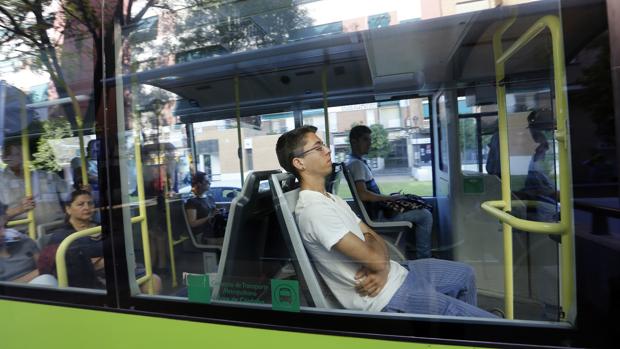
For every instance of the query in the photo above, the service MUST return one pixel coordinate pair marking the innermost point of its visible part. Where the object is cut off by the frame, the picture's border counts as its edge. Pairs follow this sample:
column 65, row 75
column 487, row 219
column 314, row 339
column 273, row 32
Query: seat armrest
column 390, row 226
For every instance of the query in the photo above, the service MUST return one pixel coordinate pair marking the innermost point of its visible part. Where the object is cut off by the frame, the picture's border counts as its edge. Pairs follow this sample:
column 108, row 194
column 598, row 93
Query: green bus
column 499, row 113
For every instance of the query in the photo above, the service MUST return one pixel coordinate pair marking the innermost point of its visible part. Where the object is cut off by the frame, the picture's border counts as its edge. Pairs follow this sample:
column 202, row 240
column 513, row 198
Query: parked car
column 224, row 194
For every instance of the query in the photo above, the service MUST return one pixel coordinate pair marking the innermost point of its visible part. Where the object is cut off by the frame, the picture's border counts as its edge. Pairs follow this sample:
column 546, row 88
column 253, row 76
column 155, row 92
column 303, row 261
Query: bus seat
column 285, row 203
column 253, row 251
column 332, row 184
column 393, row 227
column 43, row 237
column 180, row 227
column 45, row 280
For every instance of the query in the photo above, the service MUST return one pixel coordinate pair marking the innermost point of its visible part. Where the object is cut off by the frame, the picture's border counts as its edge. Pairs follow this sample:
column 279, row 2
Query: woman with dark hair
column 84, row 258
column 202, row 215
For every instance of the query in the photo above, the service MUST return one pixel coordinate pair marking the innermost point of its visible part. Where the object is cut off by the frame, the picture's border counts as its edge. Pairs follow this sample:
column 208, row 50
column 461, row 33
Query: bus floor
column 189, row 260
column 524, row 309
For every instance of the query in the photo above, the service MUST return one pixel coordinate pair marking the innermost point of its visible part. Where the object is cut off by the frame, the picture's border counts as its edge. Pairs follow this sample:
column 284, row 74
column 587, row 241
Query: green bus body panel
column 29, row 325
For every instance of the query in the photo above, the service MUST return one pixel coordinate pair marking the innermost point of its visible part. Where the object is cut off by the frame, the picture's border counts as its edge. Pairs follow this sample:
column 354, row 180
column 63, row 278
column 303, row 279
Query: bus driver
column 352, row 259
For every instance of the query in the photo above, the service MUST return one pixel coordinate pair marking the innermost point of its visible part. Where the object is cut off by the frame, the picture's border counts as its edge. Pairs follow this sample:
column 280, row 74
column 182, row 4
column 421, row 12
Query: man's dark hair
column 199, row 177
column 17, row 143
column 289, row 144
column 358, row 131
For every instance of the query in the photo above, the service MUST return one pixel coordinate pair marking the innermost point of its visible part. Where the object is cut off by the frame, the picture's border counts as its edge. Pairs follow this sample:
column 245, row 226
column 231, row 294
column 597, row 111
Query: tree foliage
column 44, row 157
column 380, row 144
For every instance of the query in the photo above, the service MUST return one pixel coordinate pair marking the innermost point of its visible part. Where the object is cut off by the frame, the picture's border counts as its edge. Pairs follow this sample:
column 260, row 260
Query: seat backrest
column 177, row 219
column 356, row 197
column 332, row 184
column 253, row 250
column 285, row 203
column 44, row 238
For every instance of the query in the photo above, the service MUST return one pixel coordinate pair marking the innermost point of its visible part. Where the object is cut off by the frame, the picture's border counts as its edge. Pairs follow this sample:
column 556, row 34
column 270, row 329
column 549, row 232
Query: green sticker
column 473, row 185
column 285, row 295
column 198, row 288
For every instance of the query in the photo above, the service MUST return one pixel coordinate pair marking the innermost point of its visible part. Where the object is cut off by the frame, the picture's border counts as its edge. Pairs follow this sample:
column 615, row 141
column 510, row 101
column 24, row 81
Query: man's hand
column 369, row 283
column 25, row 205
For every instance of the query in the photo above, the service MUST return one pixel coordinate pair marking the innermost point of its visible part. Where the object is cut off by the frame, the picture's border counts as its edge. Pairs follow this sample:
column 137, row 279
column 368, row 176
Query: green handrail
column 500, row 209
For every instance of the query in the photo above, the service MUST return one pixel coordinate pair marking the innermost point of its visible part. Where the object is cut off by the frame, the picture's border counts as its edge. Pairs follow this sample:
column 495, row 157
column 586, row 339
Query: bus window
column 400, row 153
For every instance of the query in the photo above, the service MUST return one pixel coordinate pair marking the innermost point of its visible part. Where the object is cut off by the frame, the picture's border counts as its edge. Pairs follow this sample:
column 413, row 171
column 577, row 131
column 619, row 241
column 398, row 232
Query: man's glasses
column 318, row 147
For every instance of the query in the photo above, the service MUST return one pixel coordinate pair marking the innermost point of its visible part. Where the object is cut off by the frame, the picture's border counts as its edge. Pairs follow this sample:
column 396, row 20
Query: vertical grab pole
column 141, row 199
column 142, row 208
column 26, row 164
column 83, row 170
column 173, row 269
column 505, row 166
column 238, row 115
column 325, row 104
column 567, row 292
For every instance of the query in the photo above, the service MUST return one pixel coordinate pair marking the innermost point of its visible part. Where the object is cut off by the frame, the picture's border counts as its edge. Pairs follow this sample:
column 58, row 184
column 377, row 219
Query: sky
column 328, row 11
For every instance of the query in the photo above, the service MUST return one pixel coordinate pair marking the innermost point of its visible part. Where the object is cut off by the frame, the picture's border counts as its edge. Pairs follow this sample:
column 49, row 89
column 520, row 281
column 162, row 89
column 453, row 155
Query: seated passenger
column 202, row 215
column 538, row 186
column 18, row 254
column 369, row 193
column 84, row 258
column 352, row 259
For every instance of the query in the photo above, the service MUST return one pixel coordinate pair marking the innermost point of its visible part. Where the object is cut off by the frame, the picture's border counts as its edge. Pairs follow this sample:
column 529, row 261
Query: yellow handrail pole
column 61, row 265
column 495, row 208
column 169, row 224
column 567, row 293
column 142, row 217
column 505, row 167
column 83, row 170
column 32, row 231
column 325, row 104
column 238, row 115
column 146, row 247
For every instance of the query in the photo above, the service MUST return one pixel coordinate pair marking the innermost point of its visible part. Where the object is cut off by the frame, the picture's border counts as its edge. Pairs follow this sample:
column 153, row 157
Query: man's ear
column 298, row 163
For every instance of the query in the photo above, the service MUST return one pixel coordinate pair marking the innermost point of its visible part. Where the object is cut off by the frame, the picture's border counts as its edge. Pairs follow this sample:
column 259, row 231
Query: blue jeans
column 437, row 287
column 422, row 220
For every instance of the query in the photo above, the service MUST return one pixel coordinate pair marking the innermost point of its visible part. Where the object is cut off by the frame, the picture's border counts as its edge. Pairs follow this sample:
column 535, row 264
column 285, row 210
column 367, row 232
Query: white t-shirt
column 359, row 170
column 323, row 222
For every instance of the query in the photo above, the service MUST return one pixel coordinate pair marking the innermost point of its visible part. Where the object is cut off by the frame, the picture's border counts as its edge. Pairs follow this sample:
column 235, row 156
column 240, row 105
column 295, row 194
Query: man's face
column 14, row 158
column 317, row 158
column 363, row 143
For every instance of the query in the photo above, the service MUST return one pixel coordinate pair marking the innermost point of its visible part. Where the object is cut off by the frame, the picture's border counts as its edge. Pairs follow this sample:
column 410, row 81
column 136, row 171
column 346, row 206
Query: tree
column 380, row 144
column 44, row 157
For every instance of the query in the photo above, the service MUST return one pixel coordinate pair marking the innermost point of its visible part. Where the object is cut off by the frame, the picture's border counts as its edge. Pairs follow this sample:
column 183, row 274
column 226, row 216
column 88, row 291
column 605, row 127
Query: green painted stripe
column 29, row 325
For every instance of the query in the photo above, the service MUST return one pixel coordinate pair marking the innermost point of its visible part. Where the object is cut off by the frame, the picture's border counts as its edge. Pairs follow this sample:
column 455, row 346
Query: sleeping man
column 353, row 260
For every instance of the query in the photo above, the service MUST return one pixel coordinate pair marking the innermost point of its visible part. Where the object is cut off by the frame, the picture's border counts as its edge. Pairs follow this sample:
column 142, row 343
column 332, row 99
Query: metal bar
column 567, row 288
column 32, row 230
column 239, row 140
column 325, row 103
column 18, row 222
column 61, row 265
column 144, row 228
column 504, row 167
column 495, row 208
column 169, row 230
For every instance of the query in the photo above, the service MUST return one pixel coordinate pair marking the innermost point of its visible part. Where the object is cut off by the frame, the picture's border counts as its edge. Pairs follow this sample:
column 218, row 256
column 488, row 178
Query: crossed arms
column 372, row 254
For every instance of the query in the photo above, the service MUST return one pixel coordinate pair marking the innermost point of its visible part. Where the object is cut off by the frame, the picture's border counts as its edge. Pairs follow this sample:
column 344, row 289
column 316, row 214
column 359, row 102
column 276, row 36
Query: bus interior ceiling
column 368, row 66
